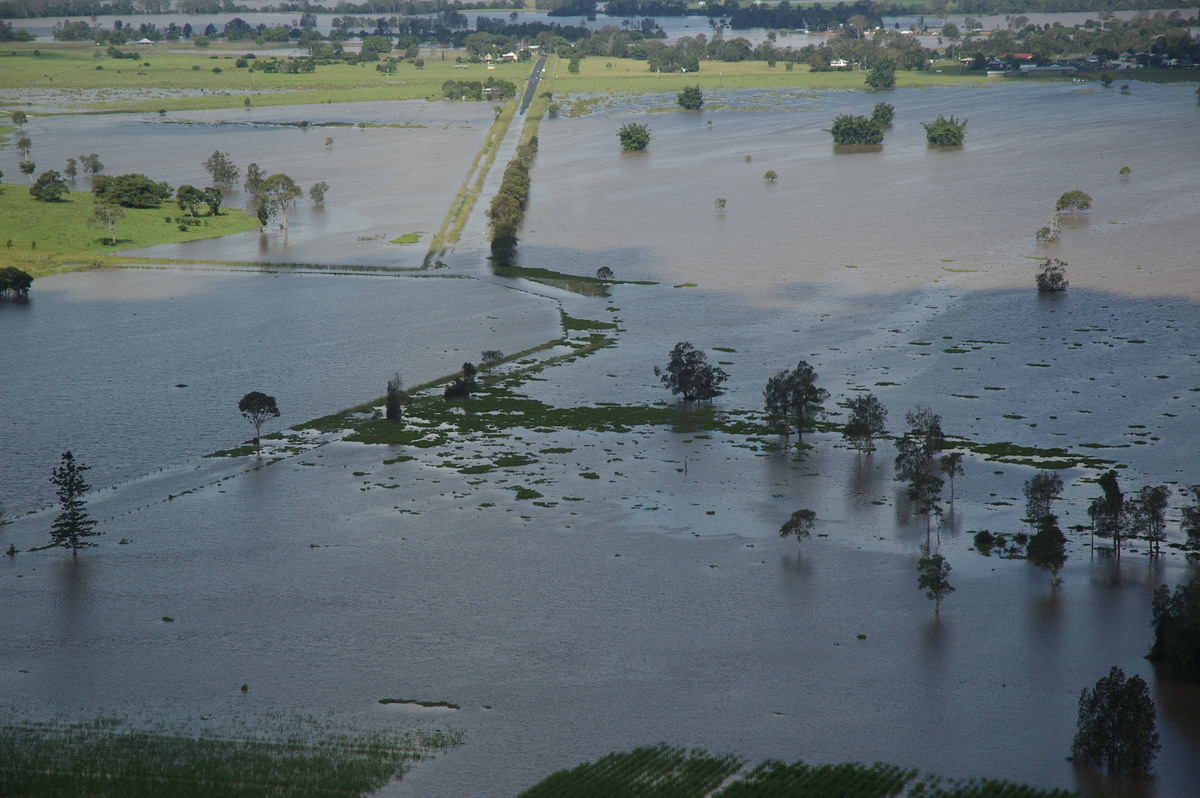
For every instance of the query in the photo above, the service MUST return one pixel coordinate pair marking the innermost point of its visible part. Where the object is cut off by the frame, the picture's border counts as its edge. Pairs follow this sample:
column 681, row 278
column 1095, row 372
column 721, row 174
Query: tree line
column 507, row 209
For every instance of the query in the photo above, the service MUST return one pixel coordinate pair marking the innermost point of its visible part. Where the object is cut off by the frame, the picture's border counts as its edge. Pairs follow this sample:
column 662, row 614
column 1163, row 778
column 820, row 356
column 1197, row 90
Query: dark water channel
column 655, row 601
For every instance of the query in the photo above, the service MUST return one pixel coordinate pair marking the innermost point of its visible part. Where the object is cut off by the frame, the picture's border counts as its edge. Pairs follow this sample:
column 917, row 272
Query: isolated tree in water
column 222, row 169
column 1115, row 729
column 932, row 573
column 688, row 372
column 800, row 525
column 1047, row 549
column 257, row 408
column 72, row 524
column 395, row 398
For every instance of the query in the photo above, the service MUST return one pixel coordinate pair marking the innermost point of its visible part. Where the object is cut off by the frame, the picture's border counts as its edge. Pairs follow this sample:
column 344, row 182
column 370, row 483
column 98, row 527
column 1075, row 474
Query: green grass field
column 64, row 240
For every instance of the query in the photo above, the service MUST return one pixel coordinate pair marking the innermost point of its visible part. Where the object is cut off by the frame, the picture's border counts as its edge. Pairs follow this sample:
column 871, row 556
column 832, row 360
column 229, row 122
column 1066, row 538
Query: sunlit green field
column 63, row 238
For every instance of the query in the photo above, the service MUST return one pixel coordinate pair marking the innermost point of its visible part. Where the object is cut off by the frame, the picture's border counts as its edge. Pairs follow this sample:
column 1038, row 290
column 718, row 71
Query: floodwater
column 656, row 601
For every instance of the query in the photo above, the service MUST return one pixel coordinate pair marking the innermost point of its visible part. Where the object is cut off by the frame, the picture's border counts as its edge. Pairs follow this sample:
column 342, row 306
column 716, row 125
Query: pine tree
column 73, row 522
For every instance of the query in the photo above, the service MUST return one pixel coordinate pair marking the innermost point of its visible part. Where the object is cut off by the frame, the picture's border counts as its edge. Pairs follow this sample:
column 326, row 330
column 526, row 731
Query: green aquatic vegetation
column 524, row 493
column 303, row 760
column 407, row 238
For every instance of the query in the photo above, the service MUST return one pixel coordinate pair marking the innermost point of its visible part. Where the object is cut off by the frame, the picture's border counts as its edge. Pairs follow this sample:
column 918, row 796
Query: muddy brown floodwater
column 646, row 595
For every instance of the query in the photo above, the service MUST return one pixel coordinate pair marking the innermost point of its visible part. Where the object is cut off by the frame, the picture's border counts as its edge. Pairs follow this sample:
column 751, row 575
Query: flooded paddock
column 646, row 595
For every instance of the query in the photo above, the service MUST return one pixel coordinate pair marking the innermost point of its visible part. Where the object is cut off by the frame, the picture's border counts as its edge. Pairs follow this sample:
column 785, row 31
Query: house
column 144, row 41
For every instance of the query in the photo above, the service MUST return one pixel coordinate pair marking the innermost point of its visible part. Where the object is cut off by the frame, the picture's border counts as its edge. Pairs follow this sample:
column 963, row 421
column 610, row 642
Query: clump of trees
column 507, row 211
column 691, row 98
column 689, row 374
column 945, row 132
column 130, row 191
column 72, row 525
column 849, row 129
column 1116, row 725
column 792, row 399
column 463, row 385
column 491, row 89
column 1177, row 630
column 14, row 282
column 634, row 137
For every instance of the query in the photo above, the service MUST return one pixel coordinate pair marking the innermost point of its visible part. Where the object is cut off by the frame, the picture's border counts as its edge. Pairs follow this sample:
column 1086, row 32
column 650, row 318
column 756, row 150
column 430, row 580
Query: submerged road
column 535, row 77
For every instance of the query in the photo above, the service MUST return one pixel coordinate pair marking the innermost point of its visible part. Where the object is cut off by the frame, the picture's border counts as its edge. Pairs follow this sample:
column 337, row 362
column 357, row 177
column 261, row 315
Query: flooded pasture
column 645, row 594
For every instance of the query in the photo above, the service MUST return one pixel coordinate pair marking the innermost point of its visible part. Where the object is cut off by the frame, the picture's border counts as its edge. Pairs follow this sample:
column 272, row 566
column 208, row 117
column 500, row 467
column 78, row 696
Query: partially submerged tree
column 868, row 420
column 1177, row 630
column 1052, row 276
column 1147, row 513
column 1041, row 491
column 91, row 164
column 279, row 192
column 257, row 408
column 925, row 491
column 72, row 525
column 800, row 525
column 490, row 357
column 255, row 176
column 770, row 176
column 933, row 574
column 849, row 129
column 1108, row 511
column 222, row 169
column 1047, row 549
column 792, row 399
column 1073, row 202
column 394, row 410
column 920, row 443
column 945, row 132
column 463, row 385
column 604, row 273
column 14, row 281
column 691, row 98
column 1049, row 232
column 634, row 137
column 1189, row 520
column 951, row 465
column 883, row 114
column 317, row 192
column 1115, row 729
column 689, row 373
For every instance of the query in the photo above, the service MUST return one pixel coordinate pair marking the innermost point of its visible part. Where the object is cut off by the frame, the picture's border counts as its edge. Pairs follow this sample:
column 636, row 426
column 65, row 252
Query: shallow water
column 657, row 602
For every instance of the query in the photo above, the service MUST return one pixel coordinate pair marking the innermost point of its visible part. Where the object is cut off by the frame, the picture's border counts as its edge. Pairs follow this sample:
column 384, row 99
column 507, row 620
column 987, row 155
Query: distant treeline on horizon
column 25, row 9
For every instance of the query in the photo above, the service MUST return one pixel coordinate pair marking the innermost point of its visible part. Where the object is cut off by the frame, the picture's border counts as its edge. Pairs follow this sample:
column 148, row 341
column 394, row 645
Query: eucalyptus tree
column 792, row 399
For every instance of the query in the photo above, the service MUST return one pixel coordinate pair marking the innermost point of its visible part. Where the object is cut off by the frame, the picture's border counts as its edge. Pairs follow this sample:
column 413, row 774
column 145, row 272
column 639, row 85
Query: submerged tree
column 279, row 192
column 317, row 192
column 1047, row 549
column 1147, row 512
column 945, row 132
column 463, row 385
column 1041, row 491
column 257, row 408
column 691, row 98
column 1108, row 511
column 224, row 172
column 395, row 398
column 799, row 525
column 1116, row 723
column 868, row 420
column 849, row 129
column 792, row 399
column 1052, row 276
column 933, row 577
column 883, row 113
column 73, row 524
column 951, row 465
column 1073, row 202
column 919, row 444
column 1049, row 232
column 689, row 373
column 634, row 137
column 1177, row 630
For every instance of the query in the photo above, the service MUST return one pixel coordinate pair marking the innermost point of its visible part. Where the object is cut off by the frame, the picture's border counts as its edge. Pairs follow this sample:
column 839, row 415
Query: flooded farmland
column 643, row 594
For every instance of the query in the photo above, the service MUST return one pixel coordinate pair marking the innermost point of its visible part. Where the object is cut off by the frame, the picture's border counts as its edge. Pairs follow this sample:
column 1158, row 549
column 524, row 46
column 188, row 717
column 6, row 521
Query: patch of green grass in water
column 407, row 238
column 100, row 758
